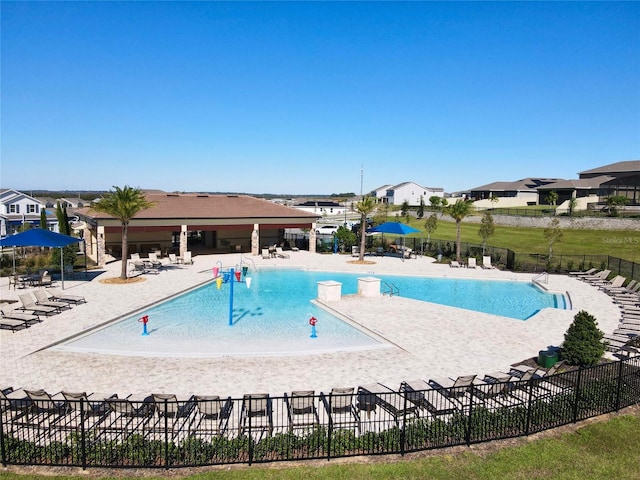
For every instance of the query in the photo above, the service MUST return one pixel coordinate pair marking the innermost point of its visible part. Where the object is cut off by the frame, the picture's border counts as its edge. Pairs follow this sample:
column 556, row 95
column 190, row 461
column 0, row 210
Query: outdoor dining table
column 29, row 280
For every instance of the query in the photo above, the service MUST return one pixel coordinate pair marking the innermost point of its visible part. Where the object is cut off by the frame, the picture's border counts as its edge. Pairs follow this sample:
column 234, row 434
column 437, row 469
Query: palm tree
column 458, row 211
column 123, row 204
column 364, row 207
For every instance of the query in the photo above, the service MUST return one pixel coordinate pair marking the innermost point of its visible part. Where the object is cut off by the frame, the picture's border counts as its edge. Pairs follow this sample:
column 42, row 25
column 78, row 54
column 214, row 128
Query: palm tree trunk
column 458, row 241
column 125, row 253
column 363, row 230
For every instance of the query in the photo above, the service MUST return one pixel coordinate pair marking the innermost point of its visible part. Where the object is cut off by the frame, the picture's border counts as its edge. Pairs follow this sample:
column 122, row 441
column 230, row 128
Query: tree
column 552, row 198
column 487, row 228
column 404, row 209
column 553, row 234
column 123, row 204
column 573, row 202
column 430, row 226
column 364, row 207
column 458, row 211
column 494, row 199
column 43, row 219
column 420, row 211
column 583, row 343
column 63, row 220
column 614, row 202
column 435, row 201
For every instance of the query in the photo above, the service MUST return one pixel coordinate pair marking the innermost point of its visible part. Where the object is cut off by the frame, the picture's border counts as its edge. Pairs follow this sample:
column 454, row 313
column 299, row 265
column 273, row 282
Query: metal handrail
column 390, row 289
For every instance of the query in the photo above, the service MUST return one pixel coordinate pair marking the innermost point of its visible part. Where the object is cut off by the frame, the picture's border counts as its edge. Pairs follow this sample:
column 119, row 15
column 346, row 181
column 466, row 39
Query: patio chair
column 13, row 325
column 301, row 409
column 42, row 299
column 169, row 404
column 187, row 259
column 256, row 414
column 154, row 261
column 387, row 399
column 423, row 395
column 13, row 403
column 453, row 387
column 585, row 272
column 265, row 253
column 173, row 258
column 471, row 262
column 280, row 253
column 486, row 262
column 45, row 279
column 28, row 304
column 455, row 264
column 63, row 297
column 27, row 318
column 339, row 407
column 213, row 415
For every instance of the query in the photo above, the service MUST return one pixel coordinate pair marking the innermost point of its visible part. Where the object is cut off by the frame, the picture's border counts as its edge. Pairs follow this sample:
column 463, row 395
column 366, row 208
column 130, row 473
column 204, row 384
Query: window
column 31, row 208
column 14, row 208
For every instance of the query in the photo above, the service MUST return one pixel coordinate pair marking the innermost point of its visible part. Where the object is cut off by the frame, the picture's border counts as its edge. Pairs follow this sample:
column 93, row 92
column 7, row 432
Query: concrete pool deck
column 426, row 340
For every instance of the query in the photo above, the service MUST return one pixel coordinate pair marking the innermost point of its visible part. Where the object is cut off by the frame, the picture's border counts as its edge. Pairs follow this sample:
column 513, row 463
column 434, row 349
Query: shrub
column 583, row 343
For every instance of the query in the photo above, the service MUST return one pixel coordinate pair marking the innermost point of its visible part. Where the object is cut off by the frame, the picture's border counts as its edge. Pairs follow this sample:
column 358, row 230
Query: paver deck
column 426, row 340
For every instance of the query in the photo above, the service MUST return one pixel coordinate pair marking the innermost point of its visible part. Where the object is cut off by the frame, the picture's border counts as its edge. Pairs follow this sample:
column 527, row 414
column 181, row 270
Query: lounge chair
column 615, row 282
column 455, row 264
column 339, row 406
column 213, row 415
column 42, row 299
column 301, row 409
column 256, row 414
column 486, row 262
column 265, row 253
column 187, row 259
column 45, row 279
column 471, row 262
column 28, row 304
column 63, row 297
column 169, row 404
column 596, row 277
column 13, row 403
column 173, row 258
column 521, row 370
column 28, row 318
column 13, row 325
column 387, row 399
column 423, row 395
column 280, row 253
column 153, row 260
column 45, row 409
column 581, row 273
column 453, row 387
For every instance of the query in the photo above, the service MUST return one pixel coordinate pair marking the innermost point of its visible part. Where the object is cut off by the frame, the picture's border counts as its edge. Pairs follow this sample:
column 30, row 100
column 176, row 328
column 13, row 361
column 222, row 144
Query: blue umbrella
column 395, row 228
column 39, row 237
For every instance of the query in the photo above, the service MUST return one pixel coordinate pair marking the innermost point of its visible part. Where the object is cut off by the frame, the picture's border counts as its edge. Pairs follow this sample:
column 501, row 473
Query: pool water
column 272, row 316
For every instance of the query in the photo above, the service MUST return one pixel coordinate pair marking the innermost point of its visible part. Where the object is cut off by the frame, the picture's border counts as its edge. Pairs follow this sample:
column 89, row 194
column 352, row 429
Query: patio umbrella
column 395, row 228
column 39, row 237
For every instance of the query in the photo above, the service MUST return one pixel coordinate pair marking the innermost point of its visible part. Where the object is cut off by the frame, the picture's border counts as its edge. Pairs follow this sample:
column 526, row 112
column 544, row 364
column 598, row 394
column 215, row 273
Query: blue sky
column 300, row 98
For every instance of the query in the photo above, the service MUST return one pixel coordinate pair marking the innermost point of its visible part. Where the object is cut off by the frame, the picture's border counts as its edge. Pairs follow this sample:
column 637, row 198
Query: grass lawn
column 600, row 450
column 618, row 243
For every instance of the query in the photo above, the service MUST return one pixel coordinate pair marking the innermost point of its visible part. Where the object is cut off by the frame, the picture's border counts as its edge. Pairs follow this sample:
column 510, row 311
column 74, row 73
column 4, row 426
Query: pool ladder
column 390, row 289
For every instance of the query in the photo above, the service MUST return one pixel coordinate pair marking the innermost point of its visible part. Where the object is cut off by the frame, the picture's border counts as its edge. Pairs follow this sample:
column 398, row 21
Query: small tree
column 553, row 234
column 435, row 201
column 458, row 211
column 487, row 228
column 573, row 203
column 43, row 219
column 614, row 202
column 404, row 209
column 583, row 345
column 552, row 198
column 420, row 211
column 364, row 207
column 430, row 226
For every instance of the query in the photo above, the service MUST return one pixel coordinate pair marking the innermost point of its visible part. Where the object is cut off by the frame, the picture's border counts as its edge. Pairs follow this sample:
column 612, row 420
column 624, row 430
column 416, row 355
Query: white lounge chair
column 471, row 262
column 43, row 299
column 63, row 297
column 186, row 258
column 28, row 304
column 455, row 264
column 280, row 253
column 486, row 262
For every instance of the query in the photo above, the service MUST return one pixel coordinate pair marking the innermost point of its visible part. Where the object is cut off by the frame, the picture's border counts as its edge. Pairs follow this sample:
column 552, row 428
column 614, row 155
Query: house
column 411, row 193
column 380, row 193
column 509, row 194
column 321, row 207
column 196, row 222
column 585, row 191
column 18, row 209
column 623, row 180
column 73, row 203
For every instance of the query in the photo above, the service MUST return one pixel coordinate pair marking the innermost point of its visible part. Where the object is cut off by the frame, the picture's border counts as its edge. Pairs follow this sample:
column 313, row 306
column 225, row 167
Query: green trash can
column 547, row 359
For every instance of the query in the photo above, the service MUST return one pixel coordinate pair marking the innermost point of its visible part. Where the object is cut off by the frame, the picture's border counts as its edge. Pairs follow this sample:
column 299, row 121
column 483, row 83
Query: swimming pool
column 272, row 316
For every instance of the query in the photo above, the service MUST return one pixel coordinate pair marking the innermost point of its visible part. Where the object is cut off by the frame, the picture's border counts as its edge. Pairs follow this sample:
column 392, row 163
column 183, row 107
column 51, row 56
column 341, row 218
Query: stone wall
column 578, row 223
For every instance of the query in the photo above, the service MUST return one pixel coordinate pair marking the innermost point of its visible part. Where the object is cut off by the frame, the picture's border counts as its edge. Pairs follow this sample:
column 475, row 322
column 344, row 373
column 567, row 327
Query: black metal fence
column 165, row 431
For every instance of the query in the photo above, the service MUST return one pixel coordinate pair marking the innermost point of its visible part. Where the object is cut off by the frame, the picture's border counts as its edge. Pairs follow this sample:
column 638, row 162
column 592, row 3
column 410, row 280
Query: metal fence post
column 527, row 427
column 470, row 421
column 330, row 427
column 577, row 401
column 619, row 386
column 250, row 435
column 3, row 452
column 83, row 437
column 166, row 434
column 404, row 426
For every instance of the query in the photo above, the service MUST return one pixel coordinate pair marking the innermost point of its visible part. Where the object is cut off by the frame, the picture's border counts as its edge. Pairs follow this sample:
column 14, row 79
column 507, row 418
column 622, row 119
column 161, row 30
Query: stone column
column 312, row 238
column 100, row 256
column 183, row 239
column 255, row 239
